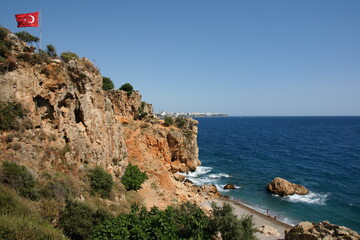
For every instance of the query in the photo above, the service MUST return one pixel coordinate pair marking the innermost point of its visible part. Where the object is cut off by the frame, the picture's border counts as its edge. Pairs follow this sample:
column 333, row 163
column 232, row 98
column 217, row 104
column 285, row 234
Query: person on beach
column 267, row 212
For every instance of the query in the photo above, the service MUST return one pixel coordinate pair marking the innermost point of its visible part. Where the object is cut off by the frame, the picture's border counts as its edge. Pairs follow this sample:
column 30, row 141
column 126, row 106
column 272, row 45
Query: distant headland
column 163, row 113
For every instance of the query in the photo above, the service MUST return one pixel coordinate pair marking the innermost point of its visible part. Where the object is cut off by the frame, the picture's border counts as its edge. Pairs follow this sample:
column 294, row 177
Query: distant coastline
column 163, row 113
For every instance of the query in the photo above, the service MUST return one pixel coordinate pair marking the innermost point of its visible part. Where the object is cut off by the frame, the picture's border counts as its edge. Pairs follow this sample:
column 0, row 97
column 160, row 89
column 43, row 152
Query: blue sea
column 320, row 153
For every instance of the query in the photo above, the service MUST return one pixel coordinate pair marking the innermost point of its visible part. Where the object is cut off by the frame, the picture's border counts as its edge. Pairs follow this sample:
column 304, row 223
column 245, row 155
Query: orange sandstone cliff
column 71, row 125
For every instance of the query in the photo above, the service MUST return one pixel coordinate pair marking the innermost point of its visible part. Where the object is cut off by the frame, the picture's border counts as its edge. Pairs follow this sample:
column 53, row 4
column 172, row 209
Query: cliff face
column 72, row 124
column 73, row 120
column 163, row 152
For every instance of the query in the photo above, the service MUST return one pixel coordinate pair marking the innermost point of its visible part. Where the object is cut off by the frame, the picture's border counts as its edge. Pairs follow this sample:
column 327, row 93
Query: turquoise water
column 321, row 153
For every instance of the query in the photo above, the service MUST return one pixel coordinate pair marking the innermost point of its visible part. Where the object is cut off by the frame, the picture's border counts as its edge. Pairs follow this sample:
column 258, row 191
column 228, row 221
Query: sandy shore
column 260, row 219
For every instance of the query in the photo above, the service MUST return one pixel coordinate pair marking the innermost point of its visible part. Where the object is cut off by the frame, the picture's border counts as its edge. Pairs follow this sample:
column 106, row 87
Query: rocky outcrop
column 209, row 190
column 268, row 231
column 320, row 231
column 229, row 186
column 74, row 125
column 282, row 187
column 129, row 105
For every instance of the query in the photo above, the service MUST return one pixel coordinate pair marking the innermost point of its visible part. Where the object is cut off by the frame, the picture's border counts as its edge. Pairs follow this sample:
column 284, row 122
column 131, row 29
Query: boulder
column 269, row 231
column 282, row 187
column 179, row 177
column 322, row 230
column 210, row 190
column 229, row 186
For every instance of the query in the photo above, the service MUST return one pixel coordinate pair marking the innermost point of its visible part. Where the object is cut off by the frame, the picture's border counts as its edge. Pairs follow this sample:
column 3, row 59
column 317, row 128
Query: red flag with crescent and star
column 27, row 19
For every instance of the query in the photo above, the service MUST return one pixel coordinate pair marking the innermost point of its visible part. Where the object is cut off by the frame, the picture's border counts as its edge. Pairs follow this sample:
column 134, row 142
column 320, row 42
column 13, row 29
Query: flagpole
column 40, row 16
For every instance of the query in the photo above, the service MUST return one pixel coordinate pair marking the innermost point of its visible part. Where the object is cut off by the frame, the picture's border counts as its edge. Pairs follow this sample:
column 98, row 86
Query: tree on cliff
column 127, row 87
column 107, row 84
column 133, row 177
column 27, row 37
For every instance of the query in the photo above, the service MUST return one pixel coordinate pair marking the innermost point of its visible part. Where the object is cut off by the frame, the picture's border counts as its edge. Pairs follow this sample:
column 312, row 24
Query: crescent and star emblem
column 32, row 19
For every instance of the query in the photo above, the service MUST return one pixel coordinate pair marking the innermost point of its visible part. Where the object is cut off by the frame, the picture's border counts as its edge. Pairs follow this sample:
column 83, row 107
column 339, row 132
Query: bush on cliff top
column 27, row 37
column 107, row 84
column 133, row 177
column 128, row 88
column 168, row 121
column 67, row 56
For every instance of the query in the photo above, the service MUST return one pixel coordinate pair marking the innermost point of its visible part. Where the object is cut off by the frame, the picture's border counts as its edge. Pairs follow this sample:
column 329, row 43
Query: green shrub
column 58, row 187
column 133, row 178
column 10, row 114
column 19, row 220
column 180, row 122
column 107, row 83
column 101, row 182
column 3, row 32
column 78, row 219
column 184, row 222
column 126, row 87
column 225, row 221
column 11, row 203
column 67, row 56
column 19, row 178
column 168, row 121
column 51, row 51
column 27, row 37
column 34, row 58
column 27, row 227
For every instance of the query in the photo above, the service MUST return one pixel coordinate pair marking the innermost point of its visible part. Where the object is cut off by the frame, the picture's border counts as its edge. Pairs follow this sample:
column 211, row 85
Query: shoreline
column 260, row 219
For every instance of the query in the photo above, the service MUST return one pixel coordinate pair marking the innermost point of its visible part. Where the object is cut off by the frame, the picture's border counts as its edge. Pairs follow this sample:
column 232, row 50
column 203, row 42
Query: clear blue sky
column 244, row 58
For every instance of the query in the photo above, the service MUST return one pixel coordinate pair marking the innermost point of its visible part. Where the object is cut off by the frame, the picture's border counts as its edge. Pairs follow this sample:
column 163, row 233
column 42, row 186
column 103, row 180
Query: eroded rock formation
column 320, row 231
column 73, row 120
column 282, row 187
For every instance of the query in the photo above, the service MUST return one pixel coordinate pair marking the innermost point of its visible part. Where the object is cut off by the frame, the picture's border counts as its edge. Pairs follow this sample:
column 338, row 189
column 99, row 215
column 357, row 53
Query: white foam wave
column 219, row 175
column 199, row 172
column 221, row 188
column 310, row 198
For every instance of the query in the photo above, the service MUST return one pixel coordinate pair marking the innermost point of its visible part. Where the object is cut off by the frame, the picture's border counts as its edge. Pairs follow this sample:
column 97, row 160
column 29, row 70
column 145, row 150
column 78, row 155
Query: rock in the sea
column 282, row 187
column 322, row 230
column 269, row 231
column 229, row 186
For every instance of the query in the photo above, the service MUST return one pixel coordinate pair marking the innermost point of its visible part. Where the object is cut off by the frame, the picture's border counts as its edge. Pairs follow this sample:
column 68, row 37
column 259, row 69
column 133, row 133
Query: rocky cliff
column 73, row 121
column 71, row 124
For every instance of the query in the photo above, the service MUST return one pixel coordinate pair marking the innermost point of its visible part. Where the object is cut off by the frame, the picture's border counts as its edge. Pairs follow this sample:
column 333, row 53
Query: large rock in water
column 322, row 230
column 282, row 187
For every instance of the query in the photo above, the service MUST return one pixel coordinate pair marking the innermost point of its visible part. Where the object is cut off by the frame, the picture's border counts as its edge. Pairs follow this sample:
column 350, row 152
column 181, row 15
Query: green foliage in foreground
column 107, row 84
column 19, row 178
column 19, row 221
column 101, row 182
column 21, row 227
column 225, row 221
column 133, row 177
column 186, row 221
column 78, row 219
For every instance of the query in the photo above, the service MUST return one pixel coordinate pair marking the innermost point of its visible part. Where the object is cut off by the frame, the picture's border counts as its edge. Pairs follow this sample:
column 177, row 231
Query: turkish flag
column 27, row 19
